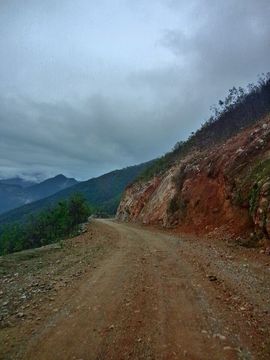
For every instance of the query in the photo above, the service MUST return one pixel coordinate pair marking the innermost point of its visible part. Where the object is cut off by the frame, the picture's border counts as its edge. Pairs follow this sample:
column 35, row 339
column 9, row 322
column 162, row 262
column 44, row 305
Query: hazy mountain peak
column 17, row 191
column 18, row 181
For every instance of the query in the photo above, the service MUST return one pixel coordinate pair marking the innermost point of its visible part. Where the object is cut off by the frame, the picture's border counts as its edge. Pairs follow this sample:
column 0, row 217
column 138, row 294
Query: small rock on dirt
column 212, row 277
column 220, row 337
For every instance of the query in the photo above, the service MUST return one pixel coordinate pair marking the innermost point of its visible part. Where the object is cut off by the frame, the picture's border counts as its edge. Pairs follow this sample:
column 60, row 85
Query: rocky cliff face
column 227, row 186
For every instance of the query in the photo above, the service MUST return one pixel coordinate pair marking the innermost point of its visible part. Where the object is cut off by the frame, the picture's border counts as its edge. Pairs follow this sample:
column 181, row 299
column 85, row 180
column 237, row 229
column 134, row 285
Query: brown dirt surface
column 122, row 291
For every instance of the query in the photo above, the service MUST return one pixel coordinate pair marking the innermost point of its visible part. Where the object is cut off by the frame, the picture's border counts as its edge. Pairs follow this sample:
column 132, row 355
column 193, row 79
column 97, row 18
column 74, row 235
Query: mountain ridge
column 16, row 191
column 19, row 181
column 103, row 192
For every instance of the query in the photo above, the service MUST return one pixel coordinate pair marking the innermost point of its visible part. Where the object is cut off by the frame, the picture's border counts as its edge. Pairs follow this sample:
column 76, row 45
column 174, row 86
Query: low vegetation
column 240, row 109
column 49, row 226
column 249, row 182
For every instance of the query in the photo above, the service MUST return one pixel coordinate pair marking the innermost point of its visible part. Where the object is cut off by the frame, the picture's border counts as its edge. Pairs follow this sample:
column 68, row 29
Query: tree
column 46, row 227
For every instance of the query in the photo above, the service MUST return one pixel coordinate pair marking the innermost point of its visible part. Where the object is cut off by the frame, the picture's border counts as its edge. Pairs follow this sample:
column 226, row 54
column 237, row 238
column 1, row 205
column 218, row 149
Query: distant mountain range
column 103, row 192
column 16, row 192
column 18, row 182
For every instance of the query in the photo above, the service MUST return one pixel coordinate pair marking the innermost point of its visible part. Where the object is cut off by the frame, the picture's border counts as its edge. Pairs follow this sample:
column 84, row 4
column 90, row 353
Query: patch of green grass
column 261, row 171
column 249, row 184
column 254, row 198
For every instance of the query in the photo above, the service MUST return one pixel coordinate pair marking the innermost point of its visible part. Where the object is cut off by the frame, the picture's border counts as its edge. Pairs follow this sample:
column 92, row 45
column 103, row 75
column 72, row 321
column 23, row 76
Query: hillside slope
column 11, row 196
column 50, row 186
column 103, row 192
column 220, row 183
column 226, row 186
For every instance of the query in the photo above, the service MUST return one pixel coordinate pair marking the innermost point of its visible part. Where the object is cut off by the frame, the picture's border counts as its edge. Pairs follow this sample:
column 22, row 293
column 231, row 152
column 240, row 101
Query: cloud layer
column 86, row 87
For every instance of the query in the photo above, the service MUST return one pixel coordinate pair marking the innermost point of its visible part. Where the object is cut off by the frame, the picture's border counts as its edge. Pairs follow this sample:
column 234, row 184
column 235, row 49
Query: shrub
column 47, row 227
column 240, row 109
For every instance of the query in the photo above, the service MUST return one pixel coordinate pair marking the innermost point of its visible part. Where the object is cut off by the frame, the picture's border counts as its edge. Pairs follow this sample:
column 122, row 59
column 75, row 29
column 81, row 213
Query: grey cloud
column 230, row 41
column 87, row 87
column 216, row 45
column 100, row 135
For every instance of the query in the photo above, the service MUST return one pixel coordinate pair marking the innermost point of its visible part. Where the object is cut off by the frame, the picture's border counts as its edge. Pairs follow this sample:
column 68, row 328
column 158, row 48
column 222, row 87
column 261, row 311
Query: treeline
column 47, row 227
column 240, row 109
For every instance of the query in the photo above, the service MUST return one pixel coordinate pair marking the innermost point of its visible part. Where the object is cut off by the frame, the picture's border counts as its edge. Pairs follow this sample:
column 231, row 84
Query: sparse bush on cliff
column 240, row 109
column 173, row 205
column 179, row 178
column 253, row 198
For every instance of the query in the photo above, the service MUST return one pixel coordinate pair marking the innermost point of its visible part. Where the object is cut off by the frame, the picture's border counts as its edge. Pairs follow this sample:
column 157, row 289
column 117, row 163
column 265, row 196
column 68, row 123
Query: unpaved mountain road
column 155, row 295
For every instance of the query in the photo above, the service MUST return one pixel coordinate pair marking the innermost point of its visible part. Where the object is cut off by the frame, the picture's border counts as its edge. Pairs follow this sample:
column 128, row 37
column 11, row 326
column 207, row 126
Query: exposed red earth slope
column 225, row 187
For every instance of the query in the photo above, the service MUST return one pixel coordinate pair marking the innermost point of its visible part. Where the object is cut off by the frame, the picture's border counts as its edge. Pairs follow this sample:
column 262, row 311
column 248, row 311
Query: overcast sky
column 91, row 86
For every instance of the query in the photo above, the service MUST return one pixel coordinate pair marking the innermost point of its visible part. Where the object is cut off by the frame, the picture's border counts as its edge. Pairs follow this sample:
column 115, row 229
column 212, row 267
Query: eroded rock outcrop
column 225, row 186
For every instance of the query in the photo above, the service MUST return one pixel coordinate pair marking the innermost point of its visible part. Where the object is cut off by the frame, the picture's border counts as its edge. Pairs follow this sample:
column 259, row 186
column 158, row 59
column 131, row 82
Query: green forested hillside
column 46, row 227
column 103, row 193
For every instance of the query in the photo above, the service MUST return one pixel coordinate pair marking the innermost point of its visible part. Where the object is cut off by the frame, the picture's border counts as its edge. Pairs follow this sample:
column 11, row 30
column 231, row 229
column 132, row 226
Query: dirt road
column 154, row 295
